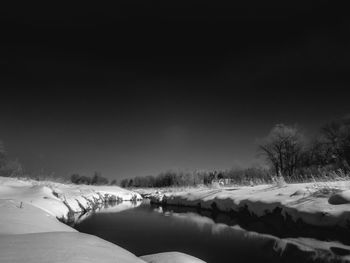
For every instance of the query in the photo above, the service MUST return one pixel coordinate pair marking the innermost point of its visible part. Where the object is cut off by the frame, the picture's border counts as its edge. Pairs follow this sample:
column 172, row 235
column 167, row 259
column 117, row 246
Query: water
column 145, row 229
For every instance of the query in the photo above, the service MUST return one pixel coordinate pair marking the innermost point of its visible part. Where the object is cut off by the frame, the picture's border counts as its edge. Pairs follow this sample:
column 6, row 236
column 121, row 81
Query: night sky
column 143, row 87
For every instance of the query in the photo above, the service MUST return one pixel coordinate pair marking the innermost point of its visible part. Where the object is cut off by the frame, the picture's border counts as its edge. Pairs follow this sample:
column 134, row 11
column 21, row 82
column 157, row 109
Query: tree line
column 96, row 179
column 13, row 168
column 286, row 150
column 255, row 175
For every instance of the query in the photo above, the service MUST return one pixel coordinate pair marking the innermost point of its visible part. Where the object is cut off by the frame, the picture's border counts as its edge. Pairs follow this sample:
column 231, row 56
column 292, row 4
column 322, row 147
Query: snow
column 61, row 247
column 171, row 257
column 23, row 218
column 59, row 199
column 318, row 204
column 30, row 231
column 340, row 198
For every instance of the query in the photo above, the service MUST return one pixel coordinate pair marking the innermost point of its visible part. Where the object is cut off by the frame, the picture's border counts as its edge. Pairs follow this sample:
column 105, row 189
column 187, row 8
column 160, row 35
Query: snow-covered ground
column 317, row 204
column 171, row 257
column 30, row 231
column 61, row 200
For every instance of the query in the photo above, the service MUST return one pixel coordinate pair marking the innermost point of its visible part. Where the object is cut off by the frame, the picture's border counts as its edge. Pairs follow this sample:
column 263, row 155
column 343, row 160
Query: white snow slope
column 171, row 257
column 318, row 204
column 30, row 231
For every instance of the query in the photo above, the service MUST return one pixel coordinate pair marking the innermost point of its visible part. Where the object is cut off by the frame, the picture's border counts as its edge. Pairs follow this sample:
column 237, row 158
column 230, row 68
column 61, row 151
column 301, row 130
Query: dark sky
column 141, row 87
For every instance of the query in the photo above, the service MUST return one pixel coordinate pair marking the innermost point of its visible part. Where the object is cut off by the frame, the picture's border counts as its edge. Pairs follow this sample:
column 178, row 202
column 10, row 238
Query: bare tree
column 336, row 138
column 8, row 167
column 282, row 148
column 3, row 157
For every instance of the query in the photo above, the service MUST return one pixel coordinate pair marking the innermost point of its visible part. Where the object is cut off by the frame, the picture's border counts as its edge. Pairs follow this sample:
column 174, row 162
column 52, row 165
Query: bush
column 8, row 167
column 78, row 179
column 97, row 179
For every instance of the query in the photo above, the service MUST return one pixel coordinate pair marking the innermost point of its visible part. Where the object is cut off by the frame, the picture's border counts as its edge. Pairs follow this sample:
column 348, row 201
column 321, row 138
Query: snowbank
column 171, row 257
column 30, row 231
column 61, row 200
column 321, row 204
column 23, row 218
column 61, row 247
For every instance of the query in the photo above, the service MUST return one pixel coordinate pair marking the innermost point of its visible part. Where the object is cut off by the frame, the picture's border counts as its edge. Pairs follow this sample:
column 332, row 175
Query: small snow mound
column 300, row 192
column 42, row 190
column 171, row 257
column 340, row 198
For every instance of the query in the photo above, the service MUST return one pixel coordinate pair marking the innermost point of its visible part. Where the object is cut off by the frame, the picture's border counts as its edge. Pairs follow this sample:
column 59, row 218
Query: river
column 215, row 238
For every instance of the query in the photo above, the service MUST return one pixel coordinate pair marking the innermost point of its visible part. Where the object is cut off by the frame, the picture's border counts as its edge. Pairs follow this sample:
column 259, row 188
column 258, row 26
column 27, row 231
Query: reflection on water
column 144, row 229
column 110, row 208
column 269, row 225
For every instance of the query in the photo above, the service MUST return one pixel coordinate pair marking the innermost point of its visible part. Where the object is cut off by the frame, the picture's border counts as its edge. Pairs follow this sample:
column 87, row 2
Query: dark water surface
column 145, row 229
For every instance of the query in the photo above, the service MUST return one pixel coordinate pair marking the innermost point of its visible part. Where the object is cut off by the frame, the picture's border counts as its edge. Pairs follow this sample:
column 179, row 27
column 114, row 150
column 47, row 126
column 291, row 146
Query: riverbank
column 31, row 232
column 325, row 204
